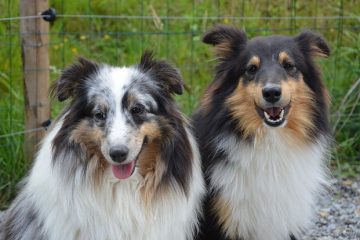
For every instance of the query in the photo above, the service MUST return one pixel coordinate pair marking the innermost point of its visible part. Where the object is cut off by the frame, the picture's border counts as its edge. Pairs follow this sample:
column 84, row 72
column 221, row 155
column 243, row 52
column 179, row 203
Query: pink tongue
column 273, row 112
column 123, row 171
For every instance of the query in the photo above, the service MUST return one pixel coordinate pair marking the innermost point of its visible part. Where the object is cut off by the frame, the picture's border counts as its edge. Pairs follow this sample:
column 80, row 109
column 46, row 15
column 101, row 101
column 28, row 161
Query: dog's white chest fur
column 112, row 211
column 270, row 186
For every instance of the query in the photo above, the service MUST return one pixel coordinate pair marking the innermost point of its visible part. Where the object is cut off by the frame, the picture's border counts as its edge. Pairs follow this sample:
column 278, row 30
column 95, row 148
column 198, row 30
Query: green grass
column 121, row 41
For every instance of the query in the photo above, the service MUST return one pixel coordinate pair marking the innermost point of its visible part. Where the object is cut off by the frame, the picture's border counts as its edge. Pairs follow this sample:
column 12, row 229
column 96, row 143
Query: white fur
column 117, row 80
column 72, row 209
column 270, row 186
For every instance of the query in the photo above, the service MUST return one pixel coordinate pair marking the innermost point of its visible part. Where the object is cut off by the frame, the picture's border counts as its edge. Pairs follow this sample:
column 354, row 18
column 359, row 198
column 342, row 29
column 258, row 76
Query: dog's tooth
column 282, row 113
column 267, row 116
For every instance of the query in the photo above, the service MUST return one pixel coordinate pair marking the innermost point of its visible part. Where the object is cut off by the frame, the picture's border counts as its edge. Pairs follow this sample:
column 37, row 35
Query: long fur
column 263, row 179
column 71, row 191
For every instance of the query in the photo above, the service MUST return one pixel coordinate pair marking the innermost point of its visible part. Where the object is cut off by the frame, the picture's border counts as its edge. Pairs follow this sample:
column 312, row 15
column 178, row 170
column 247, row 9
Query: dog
column 264, row 135
column 120, row 162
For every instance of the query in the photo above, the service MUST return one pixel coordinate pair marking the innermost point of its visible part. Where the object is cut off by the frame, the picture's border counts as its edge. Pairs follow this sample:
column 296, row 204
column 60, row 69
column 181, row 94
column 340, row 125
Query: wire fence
column 117, row 32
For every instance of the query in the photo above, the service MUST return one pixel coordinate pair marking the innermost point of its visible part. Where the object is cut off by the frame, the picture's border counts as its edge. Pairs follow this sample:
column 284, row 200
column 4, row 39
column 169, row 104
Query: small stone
column 347, row 182
column 337, row 231
column 350, row 221
column 357, row 212
column 324, row 238
column 324, row 213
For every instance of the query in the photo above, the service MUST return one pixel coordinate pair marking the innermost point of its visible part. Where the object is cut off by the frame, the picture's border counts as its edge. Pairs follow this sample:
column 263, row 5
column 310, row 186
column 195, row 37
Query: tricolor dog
column 120, row 162
column 264, row 135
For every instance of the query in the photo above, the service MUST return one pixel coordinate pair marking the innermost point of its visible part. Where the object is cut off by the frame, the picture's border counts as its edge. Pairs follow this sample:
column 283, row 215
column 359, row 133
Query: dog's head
column 115, row 113
column 271, row 82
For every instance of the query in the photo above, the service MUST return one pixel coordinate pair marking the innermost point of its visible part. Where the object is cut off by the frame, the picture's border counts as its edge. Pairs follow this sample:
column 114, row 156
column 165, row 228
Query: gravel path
column 338, row 214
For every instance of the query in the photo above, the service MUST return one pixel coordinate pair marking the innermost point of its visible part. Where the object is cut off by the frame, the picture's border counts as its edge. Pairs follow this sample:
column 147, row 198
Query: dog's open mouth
column 274, row 116
column 123, row 171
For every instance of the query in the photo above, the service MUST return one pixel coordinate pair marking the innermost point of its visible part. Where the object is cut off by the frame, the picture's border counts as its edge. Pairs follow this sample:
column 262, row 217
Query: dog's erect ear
column 167, row 76
column 72, row 76
column 226, row 39
column 313, row 44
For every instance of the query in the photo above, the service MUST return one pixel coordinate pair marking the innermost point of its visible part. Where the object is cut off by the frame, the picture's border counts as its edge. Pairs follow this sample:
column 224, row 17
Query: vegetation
column 121, row 41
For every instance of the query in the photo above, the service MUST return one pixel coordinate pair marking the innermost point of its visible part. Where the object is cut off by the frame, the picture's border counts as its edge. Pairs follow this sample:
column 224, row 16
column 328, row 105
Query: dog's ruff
column 60, row 202
column 262, row 182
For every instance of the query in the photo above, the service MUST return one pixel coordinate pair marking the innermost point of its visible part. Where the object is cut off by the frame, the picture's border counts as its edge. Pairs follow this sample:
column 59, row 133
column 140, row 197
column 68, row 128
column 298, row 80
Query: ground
column 338, row 213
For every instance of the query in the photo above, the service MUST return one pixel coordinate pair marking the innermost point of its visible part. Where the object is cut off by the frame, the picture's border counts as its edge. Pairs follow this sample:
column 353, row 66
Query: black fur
column 72, row 78
column 168, row 77
column 18, row 217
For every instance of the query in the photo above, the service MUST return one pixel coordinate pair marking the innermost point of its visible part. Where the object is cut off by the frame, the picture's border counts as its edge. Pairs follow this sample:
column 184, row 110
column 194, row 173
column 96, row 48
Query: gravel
column 338, row 213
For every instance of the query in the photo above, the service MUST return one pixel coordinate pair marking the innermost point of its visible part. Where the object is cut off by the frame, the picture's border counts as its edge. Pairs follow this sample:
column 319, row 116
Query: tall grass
column 121, row 41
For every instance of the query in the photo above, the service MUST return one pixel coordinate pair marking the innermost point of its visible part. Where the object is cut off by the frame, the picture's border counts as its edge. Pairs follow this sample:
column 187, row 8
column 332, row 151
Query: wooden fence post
column 35, row 57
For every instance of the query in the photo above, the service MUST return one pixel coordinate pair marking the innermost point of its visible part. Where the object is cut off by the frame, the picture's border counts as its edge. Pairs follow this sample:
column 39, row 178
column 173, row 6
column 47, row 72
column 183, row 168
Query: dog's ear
column 313, row 44
column 168, row 77
column 227, row 40
column 72, row 77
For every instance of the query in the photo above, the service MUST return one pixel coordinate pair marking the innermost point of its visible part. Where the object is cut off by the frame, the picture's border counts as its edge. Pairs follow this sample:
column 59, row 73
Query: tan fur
column 131, row 99
column 150, row 165
column 317, row 52
column 299, row 119
column 151, row 130
column 326, row 96
column 152, row 169
column 90, row 138
column 284, row 57
column 207, row 99
column 242, row 107
column 223, row 212
column 255, row 60
column 223, row 49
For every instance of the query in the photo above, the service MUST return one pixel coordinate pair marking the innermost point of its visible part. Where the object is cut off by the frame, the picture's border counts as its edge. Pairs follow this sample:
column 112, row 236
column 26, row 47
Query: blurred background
column 34, row 51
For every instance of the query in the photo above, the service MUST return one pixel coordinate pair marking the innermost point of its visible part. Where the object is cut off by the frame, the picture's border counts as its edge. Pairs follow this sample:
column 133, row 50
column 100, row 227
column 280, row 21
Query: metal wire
column 186, row 18
column 21, row 132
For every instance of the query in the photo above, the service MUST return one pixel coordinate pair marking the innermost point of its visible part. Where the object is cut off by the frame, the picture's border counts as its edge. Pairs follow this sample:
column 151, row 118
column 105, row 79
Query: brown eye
column 289, row 67
column 137, row 109
column 252, row 69
column 99, row 116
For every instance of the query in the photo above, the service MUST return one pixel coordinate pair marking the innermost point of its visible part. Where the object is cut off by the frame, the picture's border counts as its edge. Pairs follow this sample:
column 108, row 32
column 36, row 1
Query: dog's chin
column 273, row 116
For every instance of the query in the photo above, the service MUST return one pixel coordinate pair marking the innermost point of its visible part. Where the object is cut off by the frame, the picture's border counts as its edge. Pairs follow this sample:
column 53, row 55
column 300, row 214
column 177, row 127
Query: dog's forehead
column 270, row 47
column 115, row 83
column 115, row 80
column 118, row 79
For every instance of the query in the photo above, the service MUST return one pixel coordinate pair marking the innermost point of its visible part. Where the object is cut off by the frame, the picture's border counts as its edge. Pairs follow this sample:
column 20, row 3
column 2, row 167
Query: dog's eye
column 99, row 116
column 137, row 109
column 289, row 67
column 252, row 69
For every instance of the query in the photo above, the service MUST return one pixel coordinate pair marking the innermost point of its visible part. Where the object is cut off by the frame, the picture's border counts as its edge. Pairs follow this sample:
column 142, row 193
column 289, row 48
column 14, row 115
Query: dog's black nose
column 271, row 94
column 119, row 153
